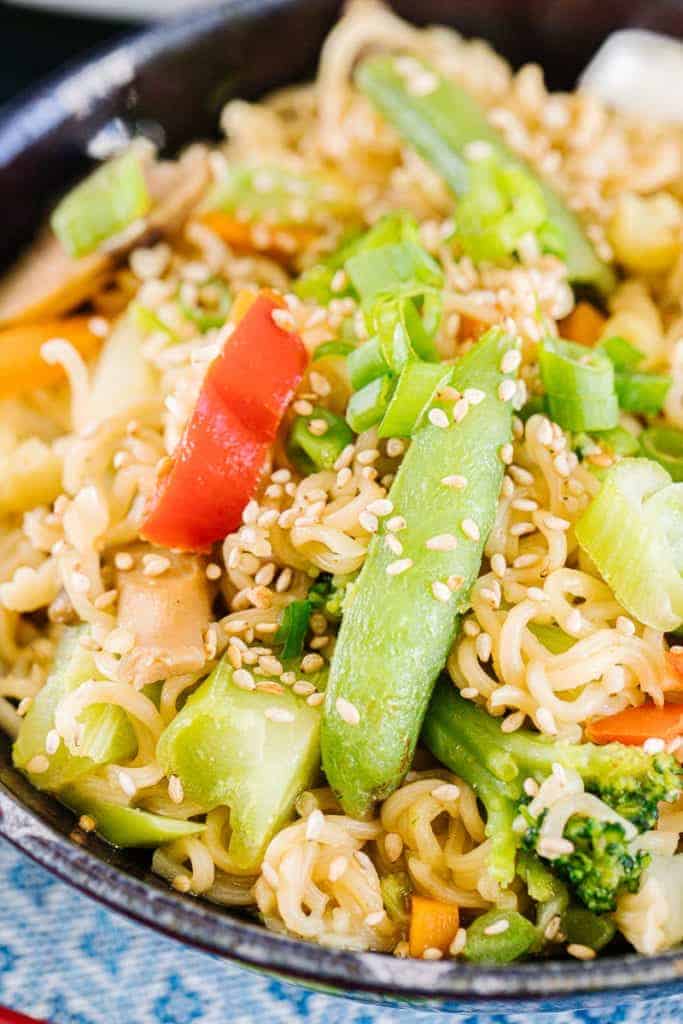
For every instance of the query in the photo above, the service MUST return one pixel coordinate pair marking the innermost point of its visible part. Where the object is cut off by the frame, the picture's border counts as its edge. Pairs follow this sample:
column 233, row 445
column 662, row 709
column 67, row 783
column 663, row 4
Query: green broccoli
column 471, row 743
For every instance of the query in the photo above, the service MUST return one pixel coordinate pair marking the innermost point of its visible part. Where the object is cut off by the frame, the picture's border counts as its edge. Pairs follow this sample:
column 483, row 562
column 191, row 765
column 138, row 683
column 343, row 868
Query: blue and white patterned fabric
column 65, row 960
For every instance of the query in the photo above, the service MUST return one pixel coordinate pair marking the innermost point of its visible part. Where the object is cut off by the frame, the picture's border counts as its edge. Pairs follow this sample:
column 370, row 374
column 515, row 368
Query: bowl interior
column 177, row 77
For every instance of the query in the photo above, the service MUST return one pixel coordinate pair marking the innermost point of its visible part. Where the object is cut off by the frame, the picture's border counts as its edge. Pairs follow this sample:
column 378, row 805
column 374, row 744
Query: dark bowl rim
column 196, row 922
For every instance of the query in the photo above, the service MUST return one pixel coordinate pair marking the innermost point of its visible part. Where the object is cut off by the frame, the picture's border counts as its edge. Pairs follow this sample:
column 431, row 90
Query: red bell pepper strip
column 220, row 459
column 636, row 725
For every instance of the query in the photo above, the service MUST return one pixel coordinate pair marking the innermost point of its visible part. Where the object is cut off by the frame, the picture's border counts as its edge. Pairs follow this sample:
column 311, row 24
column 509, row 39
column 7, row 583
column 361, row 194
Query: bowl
column 176, row 78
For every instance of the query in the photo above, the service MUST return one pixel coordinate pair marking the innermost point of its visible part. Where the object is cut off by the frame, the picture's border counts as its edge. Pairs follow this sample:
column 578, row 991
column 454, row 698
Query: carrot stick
column 636, row 725
column 240, row 234
column 584, row 324
column 433, row 925
column 23, row 369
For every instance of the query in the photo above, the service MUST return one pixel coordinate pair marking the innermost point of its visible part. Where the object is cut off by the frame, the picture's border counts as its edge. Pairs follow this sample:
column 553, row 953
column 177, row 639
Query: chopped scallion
column 665, row 446
column 310, row 451
column 293, row 629
column 412, row 397
column 367, row 406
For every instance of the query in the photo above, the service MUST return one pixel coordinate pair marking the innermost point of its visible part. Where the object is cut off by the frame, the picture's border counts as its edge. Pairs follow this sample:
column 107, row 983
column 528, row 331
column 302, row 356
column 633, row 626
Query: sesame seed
column 399, row 566
column 653, row 745
column 498, row 927
column 394, row 545
column 432, row 953
column 580, row 952
column 396, row 524
column 446, row 793
column 318, row 427
column 213, row 571
column 52, row 741
column 530, row 786
column 525, row 561
column 510, row 361
column 474, row 396
column 347, row 711
column 395, row 447
column 441, row 591
column 438, row 418
column 243, row 679
column 302, row 407
column 498, row 564
column 522, row 529
column 491, row 596
column 459, row 942
column 320, row 384
column 315, row 823
column 561, row 464
column 442, row 542
column 279, row 715
column 460, row 410
column 506, row 390
column 270, row 875
column 470, row 529
column 553, row 928
column 381, row 507
column 344, row 458
column 368, row 521
column 281, row 476
column 175, row 790
column 251, row 512
column 556, row 523
column 302, row 688
column 455, row 582
column 393, row 846
column 283, row 319
column 471, row 627
column 367, row 456
column 155, row 565
column 86, row 823
column 315, row 699
column 625, row 626
column 544, row 433
column 127, row 783
column 455, row 480
column 513, row 722
column 554, row 846
column 524, row 505
column 343, row 477
column 483, row 645
column 311, row 663
column 337, row 868
column 521, row 476
column 507, row 454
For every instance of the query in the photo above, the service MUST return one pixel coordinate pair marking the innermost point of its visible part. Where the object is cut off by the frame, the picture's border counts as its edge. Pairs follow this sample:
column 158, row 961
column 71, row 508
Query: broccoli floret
column 601, row 866
column 469, row 741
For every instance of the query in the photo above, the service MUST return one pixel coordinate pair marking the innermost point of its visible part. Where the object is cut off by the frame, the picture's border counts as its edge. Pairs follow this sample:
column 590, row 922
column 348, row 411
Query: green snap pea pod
column 401, row 615
column 441, row 122
column 486, row 944
column 128, row 826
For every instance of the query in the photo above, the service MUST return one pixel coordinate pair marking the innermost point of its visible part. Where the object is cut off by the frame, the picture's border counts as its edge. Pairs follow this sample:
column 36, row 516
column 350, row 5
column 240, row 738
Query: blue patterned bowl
column 177, row 77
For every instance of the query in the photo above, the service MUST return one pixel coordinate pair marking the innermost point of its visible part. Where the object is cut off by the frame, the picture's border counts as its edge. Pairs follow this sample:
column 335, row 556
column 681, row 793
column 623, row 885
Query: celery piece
column 310, row 452
column 128, row 826
column 396, row 629
column 107, row 733
column 227, row 752
column 413, row 395
column 621, row 533
column 279, row 197
column 441, row 122
column 518, row 939
column 102, row 206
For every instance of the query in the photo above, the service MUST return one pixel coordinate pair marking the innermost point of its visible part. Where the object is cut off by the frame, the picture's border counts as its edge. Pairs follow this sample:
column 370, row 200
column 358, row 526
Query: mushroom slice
column 167, row 614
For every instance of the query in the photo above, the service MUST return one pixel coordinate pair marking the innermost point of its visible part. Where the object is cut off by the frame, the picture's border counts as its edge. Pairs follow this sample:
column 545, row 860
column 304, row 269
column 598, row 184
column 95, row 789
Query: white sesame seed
column 320, row 384
column 470, row 529
column 279, row 715
column 302, row 688
column 343, row 477
column 507, row 454
column 243, row 679
column 483, row 645
column 52, row 741
column 553, row 928
column 344, row 458
column 438, row 418
column 399, row 566
column 561, row 464
column 395, row 447
column 367, row 456
column 347, row 711
column 489, row 595
column 213, row 571
column 372, row 920
column 368, row 521
column 446, row 792
column 337, row 868
column 507, row 488
column 580, row 952
column 471, row 628
column 522, row 529
column 513, row 722
column 625, row 626
column 459, row 942
column 283, row 319
column 653, row 745
column 315, row 823
column 396, row 524
column 498, row 927
column 318, row 427
column 510, row 361
column 442, row 542
column 498, row 564
column 441, row 591
column 127, row 783
column 455, row 480
column 394, row 545
column 521, row 476
column 474, row 396
column 315, row 699
column 506, row 390
column 251, row 512
column 432, row 953
column 556, row 523
column 551, row 847
column 524, row 505
column 381, row 507
column 544, row 433
column 530, row 786
column 175, row 790
column 312, row 663
column 460, row 410
column 393, row 846
column 525, row 561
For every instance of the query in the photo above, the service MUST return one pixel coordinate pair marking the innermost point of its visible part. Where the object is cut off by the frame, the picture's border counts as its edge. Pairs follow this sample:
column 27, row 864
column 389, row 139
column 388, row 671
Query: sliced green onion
column 333, row 348
column 643, row 393
column 552, row 637
column 665, row 446
column 310, row 451
column 367, row 406
column 621, row 353
column 366, row 363
column 620, row 533
column 146, row 320
column 619, row 441
column 579, row 385
column 315, row 285
column 103, row 205
column 206, row 318
column 415, row 390
column 293, row 629
column 383, row 270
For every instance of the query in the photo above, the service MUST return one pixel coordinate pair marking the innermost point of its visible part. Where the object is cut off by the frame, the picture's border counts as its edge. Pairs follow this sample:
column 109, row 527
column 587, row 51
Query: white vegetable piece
column 638, row 72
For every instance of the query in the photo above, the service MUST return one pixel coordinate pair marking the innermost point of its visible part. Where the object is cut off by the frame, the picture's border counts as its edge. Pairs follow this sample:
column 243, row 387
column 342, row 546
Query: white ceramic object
column 638, row 72
column 135, row 10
